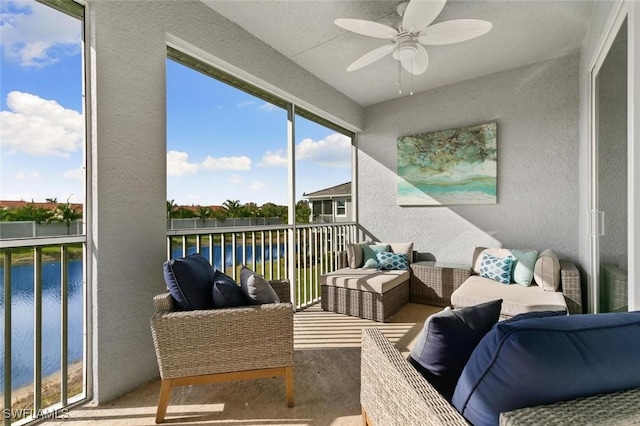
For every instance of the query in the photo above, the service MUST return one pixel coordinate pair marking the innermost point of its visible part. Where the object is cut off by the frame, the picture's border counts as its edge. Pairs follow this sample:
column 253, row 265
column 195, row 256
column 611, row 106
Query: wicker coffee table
column 432, row 282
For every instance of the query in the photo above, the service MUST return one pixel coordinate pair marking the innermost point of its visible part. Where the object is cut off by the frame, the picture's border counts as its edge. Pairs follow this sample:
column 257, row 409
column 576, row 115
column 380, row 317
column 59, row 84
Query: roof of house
column 16, row 204
column 194, row 208
column 342, row 190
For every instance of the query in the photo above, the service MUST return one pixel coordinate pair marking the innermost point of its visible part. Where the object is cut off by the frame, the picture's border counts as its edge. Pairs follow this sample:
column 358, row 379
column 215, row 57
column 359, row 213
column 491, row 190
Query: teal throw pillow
column 369, row 255
column 496, row 268
column 392, row 261
column 523, row 264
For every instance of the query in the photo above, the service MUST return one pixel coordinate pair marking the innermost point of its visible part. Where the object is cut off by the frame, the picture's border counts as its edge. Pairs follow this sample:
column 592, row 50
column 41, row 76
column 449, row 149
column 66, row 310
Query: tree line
column 66, row 213
column 31, row 212
column 232, row 209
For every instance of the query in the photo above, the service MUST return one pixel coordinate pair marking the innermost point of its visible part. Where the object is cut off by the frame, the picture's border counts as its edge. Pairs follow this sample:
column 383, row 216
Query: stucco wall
column 536, row 110
column 127, row 40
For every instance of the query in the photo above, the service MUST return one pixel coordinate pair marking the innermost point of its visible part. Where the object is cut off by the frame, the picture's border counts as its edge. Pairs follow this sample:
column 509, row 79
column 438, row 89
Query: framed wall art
column 447, row 167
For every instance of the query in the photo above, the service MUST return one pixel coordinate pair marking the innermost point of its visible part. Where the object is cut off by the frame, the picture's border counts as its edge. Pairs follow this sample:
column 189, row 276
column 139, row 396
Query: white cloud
column 227, row 163
column 332, row 151
column 267, row 107
column 245, row 104
column 28, row 176
column 40, row 127
column 178, row 164
column 35, row 35
column 257, row 185
column 75, row 174
column 274, row 159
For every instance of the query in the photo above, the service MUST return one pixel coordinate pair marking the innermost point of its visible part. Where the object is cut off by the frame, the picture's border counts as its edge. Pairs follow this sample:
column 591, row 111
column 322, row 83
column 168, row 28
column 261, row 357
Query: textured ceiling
column 524, row 32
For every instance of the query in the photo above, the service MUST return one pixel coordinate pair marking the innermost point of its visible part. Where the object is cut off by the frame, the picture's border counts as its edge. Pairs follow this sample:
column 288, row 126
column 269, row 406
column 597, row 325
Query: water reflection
column 22, row 320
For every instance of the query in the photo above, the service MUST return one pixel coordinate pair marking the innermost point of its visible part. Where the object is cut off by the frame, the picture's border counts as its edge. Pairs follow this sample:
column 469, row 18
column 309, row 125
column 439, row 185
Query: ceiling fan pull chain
column 399, row 79
column 411, row 78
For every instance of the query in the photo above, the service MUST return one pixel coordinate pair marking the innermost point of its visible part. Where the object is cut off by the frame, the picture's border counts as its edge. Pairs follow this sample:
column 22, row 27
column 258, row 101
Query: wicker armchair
column 219, row 345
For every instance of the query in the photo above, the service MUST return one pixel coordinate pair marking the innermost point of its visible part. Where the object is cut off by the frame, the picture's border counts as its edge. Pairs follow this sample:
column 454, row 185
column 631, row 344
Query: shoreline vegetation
column 22, row 398
column 24, row 255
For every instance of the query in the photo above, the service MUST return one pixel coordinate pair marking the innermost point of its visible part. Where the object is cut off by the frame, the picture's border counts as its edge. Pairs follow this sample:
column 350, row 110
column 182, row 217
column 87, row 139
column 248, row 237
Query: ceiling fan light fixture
column 405, row 50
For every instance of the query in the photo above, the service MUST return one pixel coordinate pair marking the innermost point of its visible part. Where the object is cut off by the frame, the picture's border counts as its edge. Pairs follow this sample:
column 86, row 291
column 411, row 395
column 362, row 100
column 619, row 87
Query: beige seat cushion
column 368, row 280
column 516, row 299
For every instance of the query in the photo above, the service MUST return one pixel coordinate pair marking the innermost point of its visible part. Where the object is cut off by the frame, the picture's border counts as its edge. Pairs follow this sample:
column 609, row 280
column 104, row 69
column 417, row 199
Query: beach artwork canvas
column 445, row 167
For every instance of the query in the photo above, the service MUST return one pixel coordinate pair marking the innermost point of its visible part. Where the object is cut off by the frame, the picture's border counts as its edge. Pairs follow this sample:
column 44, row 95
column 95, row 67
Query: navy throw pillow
column 189, row 280
column 226, row 293
column 447, row 340
column 539, row 361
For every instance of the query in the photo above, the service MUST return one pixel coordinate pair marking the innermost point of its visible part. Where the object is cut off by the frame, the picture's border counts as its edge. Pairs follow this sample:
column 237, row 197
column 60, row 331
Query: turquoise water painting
column 456, row 166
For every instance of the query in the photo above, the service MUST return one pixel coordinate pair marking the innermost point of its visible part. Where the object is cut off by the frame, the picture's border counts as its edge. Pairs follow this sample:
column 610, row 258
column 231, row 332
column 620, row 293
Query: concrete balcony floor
column 326, row 376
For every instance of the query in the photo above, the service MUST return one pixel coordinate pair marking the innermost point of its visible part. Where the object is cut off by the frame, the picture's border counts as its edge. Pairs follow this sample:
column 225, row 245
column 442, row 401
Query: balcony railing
column 43, row 295
column 270, row 251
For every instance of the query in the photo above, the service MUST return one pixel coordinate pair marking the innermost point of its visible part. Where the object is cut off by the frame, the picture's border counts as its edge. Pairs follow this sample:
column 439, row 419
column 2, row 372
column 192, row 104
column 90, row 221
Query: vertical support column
column 7, row 334
column 223, row 254
column 633, row 121
column 234, row 260
column 291, row 157
column 64, row 321
column 37, row 329
column 270, row 254
column 211, row 245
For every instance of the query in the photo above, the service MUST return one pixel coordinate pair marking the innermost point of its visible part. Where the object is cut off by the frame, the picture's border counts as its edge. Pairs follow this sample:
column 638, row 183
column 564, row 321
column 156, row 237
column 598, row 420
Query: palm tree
column 233, row 208
column 66, row 213
column 171, row 209
column 203, row 213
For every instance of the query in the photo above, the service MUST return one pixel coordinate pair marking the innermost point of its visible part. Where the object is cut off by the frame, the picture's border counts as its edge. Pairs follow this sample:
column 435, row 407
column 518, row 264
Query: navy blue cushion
column 226, row 293
column 189, row 280
column 447, row 341
column 534, row 314
column 545, row 360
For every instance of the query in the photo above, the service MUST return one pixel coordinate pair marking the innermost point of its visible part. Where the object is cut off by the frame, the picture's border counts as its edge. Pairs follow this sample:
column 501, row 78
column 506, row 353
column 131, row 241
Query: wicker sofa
column 394, row 393
column 556, row 286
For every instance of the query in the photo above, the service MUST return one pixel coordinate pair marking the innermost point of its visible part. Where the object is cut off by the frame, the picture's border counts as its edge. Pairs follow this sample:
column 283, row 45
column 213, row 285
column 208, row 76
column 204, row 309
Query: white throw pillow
column 547, row 271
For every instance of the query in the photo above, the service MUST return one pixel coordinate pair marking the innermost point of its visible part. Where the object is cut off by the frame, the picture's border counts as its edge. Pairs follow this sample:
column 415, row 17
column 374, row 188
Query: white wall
column 128, row 44
column 536, row 109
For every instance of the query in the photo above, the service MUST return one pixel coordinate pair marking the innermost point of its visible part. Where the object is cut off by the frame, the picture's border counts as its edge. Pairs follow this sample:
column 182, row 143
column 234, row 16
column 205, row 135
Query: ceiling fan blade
column 418, row 64
column 420, row 13
column 368, row 28
column 455, row 31
column 371, row 57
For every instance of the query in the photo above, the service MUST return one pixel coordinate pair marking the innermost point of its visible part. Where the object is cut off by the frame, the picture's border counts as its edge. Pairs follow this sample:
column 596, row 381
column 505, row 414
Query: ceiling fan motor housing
column 406, row 49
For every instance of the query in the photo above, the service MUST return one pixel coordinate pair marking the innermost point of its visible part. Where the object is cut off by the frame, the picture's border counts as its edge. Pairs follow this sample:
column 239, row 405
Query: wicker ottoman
column 369, row 294
column 432, row 283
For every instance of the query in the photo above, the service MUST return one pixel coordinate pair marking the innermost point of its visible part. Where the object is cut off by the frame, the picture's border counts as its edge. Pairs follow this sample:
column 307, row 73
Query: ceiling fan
column 415, row 31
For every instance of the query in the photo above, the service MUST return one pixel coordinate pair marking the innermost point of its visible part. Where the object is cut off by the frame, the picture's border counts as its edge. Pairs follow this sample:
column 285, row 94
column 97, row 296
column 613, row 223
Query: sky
column 222, row 143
